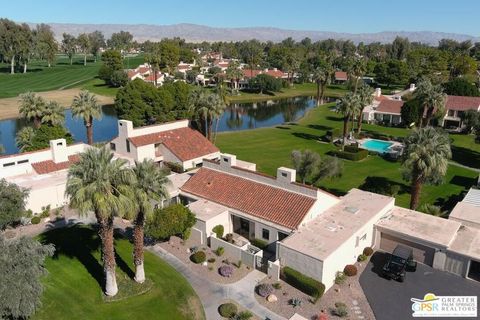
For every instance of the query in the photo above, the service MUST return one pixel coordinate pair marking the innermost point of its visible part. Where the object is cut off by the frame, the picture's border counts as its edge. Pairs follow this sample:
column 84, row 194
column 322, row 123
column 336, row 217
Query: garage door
column 421, row 253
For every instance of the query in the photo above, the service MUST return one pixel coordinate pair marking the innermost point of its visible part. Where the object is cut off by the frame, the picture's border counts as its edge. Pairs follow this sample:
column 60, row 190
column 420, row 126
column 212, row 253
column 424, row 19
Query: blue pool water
column 376, row 145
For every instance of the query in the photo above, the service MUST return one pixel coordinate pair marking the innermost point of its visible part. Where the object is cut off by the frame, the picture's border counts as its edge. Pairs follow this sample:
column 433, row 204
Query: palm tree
column 425, row 159
column 85, row 107
column 348, row 107
column 100, row 184
column 357, row 69
column 432, row 99
column 24, row 138
column 234, row 73
column 32, row 107
column 322, row 76
column 206, row 108
column 365, row 94
column 53, row 114
column 432, row 210
column 150, row 184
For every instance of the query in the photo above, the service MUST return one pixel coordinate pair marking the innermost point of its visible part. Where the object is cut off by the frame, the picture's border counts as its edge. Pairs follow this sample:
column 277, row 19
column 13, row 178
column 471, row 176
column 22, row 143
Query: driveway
column 390, row 299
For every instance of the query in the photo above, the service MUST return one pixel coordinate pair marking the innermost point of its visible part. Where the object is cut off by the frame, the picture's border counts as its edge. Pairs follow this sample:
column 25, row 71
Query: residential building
column 455, row 107
column 340, row 77
column 172, row 142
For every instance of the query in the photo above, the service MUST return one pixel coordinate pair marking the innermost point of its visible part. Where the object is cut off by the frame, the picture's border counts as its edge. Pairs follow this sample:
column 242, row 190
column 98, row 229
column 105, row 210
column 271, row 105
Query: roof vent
column 331, row 227
column 351, row 210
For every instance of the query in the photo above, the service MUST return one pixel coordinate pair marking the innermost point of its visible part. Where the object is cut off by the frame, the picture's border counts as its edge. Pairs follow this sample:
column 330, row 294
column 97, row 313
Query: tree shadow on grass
column 384, row 186
column 447, row 204
column 466, row 156
column 462, row 181
column 331, row 118
column 306, row 136
column 319, row 127
column 283, row 128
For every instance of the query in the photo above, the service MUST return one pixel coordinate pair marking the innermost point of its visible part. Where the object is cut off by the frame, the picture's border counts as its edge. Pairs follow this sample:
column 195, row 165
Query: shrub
column 243, row 315
column 227, row 310
column 261, row 244
column 220, row 250
column 340, row 277
column 362, row 257
column 35, row 220
column 229, row 237
column 334, row 133
column 350, row 270
column 172, row 220
column 357, row 156
column 296, row 302
column 352, row 149
column 264, row 289
column 340, row 310
column 218, row 229
column 368, row 251
column 226, row 271
column 277, row 285
column 175, row 167
column 211, row 260
column 303, row 283
column 45, row 212
column 238, row 264
column 198, row 257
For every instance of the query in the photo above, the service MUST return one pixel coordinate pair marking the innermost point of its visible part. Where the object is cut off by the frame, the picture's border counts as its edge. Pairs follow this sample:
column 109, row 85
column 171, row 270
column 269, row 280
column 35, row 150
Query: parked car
column 400, row 261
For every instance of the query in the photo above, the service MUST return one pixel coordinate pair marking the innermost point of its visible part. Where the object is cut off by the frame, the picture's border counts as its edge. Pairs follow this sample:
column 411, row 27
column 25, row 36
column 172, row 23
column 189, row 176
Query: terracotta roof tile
column 273, row 204
column 390, row 106
column 49, row 166
column 462, row 103
column 341, row 75
column 185, row 143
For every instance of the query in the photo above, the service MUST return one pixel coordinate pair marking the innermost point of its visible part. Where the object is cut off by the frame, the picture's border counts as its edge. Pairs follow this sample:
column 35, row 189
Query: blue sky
column 458, row 16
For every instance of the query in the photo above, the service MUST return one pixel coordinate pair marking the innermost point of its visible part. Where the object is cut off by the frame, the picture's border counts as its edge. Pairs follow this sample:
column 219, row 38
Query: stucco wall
column 53, row 196
column 189, row 164
column 223, row 219
column 456, row 264
column 301, row 262
column 145, row 152
column 231, row 250
column 200, row 226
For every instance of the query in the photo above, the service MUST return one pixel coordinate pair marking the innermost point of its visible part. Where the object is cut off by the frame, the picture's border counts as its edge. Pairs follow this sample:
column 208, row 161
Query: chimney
column 378, row 92
column 59, row 150
column 228, row 160
column 125, row 128
column 286, row 175
column 412, row 87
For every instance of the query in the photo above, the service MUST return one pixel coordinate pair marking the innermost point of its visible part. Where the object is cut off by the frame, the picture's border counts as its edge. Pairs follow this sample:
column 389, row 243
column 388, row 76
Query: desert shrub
column 340, row 310
column 303, row 283
column 243, row 315
column 173, row 166
column 226, row 271
column 350, row 270
column 220, row 251
column 198, row 257
column 277, row 285
column 227, row 310
column 262, row 244
column 368, row 251
column 172, row 220
column 211, row 260
column 340, row 277
column 264, row 289
column 218, row 229
column 35, row 220
column 45, row 212
column 362, row 257
column 295, row 302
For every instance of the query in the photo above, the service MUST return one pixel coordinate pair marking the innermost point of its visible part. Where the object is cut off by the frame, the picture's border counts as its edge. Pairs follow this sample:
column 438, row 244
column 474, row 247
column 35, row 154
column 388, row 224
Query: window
column 59, row 144
column 22, row 161
column 266, row 234
column 284, row 174
column 9, row 164
column 128, row 145
column 113, row 147
column 451, row 113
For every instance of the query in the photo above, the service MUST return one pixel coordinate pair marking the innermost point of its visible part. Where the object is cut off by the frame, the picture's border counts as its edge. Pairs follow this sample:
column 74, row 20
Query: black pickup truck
column 400, row 261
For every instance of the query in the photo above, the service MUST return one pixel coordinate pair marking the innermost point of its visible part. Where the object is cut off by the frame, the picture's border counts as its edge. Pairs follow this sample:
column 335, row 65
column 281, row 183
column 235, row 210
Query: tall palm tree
column 348, row 107
column 206, row 108
column 432, row 99
column 100, row 184
column 322, row 76
column 365, row 94
column 425, row 159
column 32, row 107
column 53, row 114
column 217, row 108
column 234, row 73
column 24, row 138
column 357, row 69
column 86, row 107
column 149, row 185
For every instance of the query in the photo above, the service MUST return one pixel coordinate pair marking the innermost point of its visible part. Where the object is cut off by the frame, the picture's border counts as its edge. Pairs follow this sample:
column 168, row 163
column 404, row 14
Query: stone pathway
column 211, row 293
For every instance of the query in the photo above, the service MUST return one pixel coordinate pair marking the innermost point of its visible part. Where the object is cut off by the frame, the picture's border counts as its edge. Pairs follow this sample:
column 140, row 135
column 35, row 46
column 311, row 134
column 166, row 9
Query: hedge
column 333, row 133
column 360, row 155
column 261, row 244
column 175, row 167
column 303, row 283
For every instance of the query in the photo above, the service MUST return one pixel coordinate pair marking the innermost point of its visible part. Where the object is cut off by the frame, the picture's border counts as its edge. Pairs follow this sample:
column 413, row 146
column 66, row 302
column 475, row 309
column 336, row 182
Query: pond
column 238, row 116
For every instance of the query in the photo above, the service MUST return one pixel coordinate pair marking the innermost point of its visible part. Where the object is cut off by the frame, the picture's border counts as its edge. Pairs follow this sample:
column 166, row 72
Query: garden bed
column 181, row 250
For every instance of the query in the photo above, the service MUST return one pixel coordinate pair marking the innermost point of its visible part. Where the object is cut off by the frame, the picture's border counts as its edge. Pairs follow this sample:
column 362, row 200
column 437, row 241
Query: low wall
column 232, row 251
column 196, row 235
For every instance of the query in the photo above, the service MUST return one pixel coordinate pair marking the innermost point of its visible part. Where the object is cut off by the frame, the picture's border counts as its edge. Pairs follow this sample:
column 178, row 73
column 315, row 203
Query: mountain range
column 199, row 33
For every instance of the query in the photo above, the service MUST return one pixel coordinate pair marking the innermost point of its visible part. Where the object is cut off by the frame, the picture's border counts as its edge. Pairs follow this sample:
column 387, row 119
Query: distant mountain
column 198, row 33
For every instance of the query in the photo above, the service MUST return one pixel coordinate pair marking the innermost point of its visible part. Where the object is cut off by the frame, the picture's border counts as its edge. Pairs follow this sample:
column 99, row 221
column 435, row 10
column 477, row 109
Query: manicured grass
column 270, row 148
column 98, row 86
column 61, row 75
column 304, row 89
column 73, row 287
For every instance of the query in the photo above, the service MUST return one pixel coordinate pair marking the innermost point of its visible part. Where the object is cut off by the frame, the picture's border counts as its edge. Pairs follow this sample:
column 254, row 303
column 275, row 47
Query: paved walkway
column 463, row 166
column 211, row 293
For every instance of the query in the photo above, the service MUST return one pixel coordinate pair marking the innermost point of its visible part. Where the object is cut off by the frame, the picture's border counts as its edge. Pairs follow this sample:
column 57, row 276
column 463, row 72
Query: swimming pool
column 376, row 145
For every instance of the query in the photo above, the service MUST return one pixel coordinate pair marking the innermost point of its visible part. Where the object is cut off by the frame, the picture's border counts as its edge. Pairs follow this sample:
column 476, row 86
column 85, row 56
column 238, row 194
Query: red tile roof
column 341, row 75
column 275, row 73
column 462, row 103
column 49, row 166
column 273, row 204
column 184, row 143
column 390, row 106
column 249, row 73
column 381, row 98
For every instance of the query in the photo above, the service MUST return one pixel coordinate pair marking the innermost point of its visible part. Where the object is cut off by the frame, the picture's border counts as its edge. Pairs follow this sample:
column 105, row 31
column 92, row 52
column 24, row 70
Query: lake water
column 239, row 116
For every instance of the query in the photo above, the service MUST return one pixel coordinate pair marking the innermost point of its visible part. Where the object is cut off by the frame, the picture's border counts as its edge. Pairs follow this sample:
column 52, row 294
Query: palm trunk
column 85, row 59
column 138, row 247
column 217, row 120
column 71, row 60
column 322, row 93
column 108, row 254
column 37, row 122
column 12, row 65
column 318, row 94
column 415, row 193
column 345, row 129
column 89, row 126
column 209, row 129
column 25, row 67
column 359, row 123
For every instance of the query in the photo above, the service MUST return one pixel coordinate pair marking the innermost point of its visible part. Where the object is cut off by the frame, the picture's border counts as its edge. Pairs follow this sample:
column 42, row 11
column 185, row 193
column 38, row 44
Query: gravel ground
column 177, row 247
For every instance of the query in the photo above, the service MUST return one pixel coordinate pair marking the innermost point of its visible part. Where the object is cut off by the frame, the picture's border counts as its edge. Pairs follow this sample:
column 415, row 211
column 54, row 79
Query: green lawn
column 73, row 285
column 271, row 147
column 61, row 75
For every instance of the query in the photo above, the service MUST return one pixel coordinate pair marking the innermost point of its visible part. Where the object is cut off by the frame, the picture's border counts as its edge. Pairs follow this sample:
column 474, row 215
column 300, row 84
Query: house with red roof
column 172, row 142
column 146, row 73
column 340, row 77
column 389, row 111
column 455, row 108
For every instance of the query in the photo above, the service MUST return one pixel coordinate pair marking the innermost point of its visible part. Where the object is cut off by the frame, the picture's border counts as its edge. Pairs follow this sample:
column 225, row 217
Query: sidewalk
column 211, row 293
